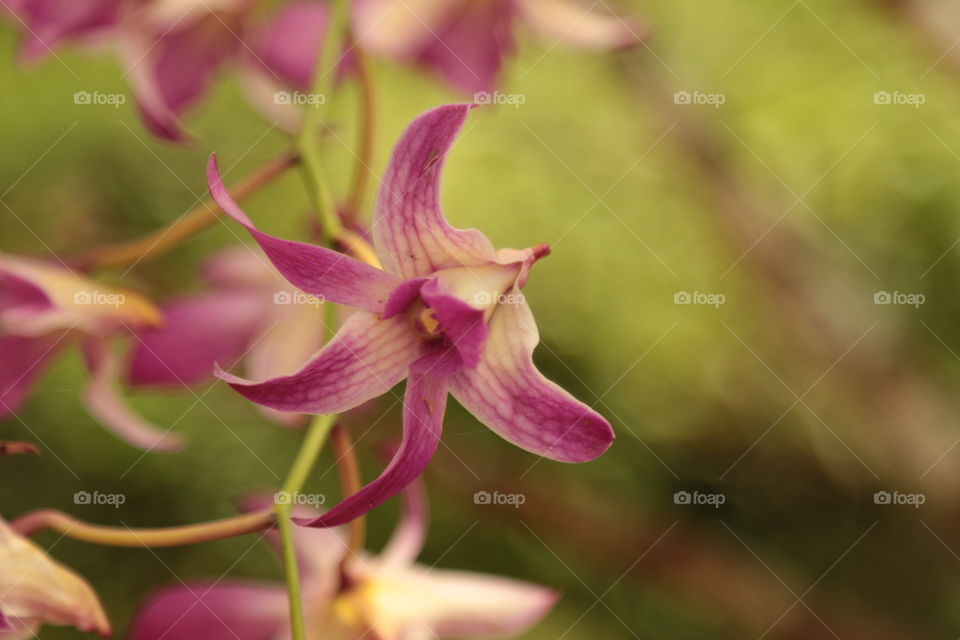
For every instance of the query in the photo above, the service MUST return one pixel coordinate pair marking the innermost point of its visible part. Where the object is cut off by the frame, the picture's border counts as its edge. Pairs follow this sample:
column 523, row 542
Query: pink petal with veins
column 411, row 235
column 509, row 395
column 320, row 272
column 423, row 408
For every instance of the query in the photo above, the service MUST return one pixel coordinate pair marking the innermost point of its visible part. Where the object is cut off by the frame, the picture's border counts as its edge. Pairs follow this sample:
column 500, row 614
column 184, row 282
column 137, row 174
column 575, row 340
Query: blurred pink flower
column 250, row 313
column 46, row 23
column 465, row 41
column 172, row 51
column 386, row 597
column 35, row 590
column 44, row 308
column 447, row 313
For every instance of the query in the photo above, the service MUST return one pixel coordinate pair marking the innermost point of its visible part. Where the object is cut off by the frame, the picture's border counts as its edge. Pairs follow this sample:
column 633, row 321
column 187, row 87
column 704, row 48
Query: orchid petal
column 400, row 29
column 21, row 362
column 295, row 332
column 320, row 272
column 49, row 22
column 290, row 45
column 402, row 602
column 366, row 358
column 319, row 551
column 170, row 73
column 412, row 237
column 408, row 537
column 198, row 332
column 240, row 266
column 35, row 587
column 37, row 297
column 212, row 611
column 468, row 51
column 423, row 407
column 509, row 395
column 104, row 403
column 565, row 22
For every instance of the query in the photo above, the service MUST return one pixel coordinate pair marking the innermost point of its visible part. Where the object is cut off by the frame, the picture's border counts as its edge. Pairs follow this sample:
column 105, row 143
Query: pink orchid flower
column 465, row 41
column 447, row 313
column 35, row 590
column 173, row 51
column 44, row 308
column 387, row 597
column 250, row 313
column 47, row 23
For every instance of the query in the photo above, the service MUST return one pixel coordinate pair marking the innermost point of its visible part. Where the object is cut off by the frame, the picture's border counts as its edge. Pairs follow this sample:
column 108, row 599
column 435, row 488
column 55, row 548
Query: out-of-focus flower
column 47, row 23
column 44, row 308
column 36, row 590
column 465, row 41
column 447, row 314
column 386, row 597
column 249, row 313
column 173, row 50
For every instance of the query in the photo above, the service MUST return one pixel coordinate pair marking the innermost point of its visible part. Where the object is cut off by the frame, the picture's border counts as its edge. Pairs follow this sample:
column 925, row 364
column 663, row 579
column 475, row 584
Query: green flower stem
column 324, row 74
column 309, row 451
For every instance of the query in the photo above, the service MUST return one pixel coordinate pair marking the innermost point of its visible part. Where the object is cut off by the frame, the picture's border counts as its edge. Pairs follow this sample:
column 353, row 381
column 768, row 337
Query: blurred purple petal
column 290, row 44
column 48, row 22
column 317, row 271
column 509, row 395
column 411, row 235
column 408, row 537
column 212, row 611
column 423, row 408
column 197, row 333
column 468, row 51
column 171, row 73
column 21, row 362
column 103, row 401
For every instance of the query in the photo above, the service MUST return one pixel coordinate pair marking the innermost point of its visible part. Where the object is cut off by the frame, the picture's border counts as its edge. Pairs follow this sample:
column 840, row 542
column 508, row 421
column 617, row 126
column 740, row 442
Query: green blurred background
column 797, row 199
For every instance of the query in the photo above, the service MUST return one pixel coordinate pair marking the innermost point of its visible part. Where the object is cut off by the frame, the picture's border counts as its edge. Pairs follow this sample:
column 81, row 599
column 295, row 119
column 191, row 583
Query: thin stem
column 318, row 190
column 349, row 472
column 354, row 244
column 364, row 155
column 168, row 237
column 10, row 447
column 306, row 457
column 70, row 527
